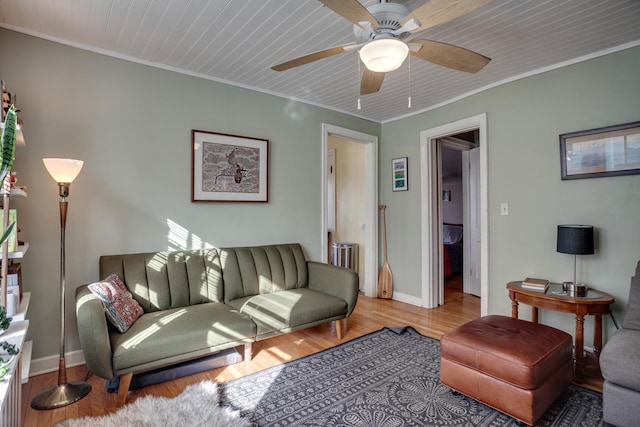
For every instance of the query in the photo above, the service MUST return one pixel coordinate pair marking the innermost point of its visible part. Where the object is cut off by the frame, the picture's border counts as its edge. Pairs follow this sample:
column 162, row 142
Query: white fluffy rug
column 197, row 405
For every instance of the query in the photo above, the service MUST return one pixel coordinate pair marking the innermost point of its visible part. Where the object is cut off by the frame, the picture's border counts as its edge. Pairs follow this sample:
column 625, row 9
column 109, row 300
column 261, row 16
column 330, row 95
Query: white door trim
column 431, row 233
column 371, row 201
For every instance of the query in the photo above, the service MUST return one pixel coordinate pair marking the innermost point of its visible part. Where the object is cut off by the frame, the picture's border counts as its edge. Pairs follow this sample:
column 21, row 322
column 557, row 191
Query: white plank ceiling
column 237, row 41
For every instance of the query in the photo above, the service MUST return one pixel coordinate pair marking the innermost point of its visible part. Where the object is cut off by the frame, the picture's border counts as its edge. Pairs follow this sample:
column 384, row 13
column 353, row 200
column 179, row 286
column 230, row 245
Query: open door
column 331, row 200
column 432, row 280
column 369, row 273
column 472, row 238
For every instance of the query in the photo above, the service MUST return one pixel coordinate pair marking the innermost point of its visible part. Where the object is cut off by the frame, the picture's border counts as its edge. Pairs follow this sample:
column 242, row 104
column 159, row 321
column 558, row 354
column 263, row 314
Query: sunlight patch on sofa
column 144, row 292
column 140, row 337
column 158, row 261
column 166, row 319
column 152, row 329
column 267, row 286
column 273, row 310
column 220, row 329
column 85, row 299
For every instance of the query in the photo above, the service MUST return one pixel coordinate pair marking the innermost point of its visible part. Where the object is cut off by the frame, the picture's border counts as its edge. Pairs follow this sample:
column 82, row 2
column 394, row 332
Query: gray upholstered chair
column 620, row 364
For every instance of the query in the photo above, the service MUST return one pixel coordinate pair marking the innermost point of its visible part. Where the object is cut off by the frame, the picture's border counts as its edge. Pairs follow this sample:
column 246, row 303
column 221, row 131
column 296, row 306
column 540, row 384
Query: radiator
column 10, row 415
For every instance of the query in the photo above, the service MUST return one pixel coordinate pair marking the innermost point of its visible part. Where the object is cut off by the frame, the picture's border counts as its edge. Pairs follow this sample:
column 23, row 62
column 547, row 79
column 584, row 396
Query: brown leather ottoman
column 512, row 365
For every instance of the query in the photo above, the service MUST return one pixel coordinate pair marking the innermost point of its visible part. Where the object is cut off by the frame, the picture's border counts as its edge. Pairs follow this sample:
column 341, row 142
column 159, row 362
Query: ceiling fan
column 384, row 35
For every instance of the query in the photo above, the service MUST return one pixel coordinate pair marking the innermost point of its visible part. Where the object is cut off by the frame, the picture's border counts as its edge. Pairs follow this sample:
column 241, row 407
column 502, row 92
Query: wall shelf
column 18, row 192
column 22, row 249
column 15, row 192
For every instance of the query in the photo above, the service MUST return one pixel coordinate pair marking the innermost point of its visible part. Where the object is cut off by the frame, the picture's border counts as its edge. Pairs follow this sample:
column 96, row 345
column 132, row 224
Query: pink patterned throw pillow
column 121, row 309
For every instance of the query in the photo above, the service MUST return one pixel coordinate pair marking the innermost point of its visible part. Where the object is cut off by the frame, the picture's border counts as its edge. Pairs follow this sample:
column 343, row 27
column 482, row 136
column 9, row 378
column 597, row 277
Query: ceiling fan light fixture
column 384, row 55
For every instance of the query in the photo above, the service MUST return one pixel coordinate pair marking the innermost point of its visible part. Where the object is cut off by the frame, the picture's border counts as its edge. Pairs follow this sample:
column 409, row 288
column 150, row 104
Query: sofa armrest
column 93, row 332
column 337, row 281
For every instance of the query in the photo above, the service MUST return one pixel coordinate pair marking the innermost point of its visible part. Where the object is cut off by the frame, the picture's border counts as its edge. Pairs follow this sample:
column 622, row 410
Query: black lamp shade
column 575, row 239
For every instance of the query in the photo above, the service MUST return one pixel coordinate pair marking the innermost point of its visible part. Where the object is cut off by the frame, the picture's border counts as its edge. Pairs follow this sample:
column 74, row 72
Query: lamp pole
column 64, row 393
column 64, row 192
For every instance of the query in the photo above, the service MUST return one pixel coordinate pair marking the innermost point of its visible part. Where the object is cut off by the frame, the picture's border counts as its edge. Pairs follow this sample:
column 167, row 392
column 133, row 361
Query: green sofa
column 198, row 302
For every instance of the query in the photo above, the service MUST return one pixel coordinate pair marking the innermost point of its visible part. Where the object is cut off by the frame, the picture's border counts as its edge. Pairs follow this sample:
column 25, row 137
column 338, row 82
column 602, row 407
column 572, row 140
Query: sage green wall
column 131, row 125
column 524, row 120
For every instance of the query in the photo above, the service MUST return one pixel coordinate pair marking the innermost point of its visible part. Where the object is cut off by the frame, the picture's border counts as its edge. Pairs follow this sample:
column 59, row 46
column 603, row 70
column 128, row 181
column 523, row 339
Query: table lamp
column 575, row 240
column 64, row 171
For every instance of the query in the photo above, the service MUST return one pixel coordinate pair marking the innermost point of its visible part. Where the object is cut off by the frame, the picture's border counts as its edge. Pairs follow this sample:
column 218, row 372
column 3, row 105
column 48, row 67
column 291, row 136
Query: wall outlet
column 504, row 208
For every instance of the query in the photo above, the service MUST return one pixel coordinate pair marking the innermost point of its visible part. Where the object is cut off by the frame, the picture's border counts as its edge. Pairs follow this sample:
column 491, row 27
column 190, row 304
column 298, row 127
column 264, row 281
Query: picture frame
column 228, row 168
column 601, row 152
column 446, row 195
column 400, row 174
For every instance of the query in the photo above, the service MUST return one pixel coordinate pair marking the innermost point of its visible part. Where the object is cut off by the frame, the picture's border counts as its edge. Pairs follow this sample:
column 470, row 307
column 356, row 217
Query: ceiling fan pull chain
column 358, row 60
column 409, row 64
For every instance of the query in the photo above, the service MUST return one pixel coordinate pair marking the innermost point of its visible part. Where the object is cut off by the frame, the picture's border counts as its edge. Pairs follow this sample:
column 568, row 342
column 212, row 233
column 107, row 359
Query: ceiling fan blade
column 371, row 82
column 352, row 11
column 311, row 57
column 450, row 56
column 436, row 12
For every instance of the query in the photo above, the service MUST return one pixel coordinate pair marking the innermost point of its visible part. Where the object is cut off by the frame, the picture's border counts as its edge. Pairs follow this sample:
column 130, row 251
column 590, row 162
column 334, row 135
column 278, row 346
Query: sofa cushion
column 249, row 271
column 289, row 310
column 164, row 337
column 164, row 280
column 120, row 307
column 620, row 359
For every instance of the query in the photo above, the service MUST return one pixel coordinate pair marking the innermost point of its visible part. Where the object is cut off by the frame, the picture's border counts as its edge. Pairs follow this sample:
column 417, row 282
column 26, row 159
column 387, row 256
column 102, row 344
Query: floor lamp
column 64, row 171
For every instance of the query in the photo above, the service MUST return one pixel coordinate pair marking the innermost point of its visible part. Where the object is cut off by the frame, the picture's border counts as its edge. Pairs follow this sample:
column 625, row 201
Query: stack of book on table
column 534, row 284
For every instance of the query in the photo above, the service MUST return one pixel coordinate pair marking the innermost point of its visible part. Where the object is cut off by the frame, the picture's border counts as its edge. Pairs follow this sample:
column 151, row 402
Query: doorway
column 369, row 251
column 346, row 200
column 432, row 217
column 458, row 170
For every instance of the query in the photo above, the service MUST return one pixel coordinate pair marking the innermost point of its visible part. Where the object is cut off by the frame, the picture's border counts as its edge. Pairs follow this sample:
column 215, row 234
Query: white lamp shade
column 384, row 55
column 63, row 170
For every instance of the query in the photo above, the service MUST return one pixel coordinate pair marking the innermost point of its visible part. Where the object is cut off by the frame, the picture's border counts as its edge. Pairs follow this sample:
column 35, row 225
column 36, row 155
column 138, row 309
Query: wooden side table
column 596, row 303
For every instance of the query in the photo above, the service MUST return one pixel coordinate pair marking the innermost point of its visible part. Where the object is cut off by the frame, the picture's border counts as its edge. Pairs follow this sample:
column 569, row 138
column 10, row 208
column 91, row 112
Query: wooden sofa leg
column 123, row 388
column 247, row 352
column 340, row 324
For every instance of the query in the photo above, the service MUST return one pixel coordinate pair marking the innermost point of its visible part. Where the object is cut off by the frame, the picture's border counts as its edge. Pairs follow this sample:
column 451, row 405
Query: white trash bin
column 345, row 255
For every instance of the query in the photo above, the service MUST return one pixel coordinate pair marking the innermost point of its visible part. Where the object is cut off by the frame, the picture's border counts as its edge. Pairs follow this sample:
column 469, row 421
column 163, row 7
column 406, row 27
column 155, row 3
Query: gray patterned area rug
column 389, row 378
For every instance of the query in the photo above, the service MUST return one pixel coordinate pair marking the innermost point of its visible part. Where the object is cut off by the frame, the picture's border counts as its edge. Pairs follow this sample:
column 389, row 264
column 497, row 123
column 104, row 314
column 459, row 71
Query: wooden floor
column 370, row 315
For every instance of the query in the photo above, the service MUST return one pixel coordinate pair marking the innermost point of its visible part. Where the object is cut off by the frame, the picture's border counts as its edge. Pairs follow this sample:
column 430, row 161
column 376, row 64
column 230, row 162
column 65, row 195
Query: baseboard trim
column 409, row 299
column 48, row 364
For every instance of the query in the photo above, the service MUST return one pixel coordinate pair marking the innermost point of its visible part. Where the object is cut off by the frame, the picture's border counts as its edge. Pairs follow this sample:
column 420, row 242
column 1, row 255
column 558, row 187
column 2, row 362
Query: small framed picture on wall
column 400, row 180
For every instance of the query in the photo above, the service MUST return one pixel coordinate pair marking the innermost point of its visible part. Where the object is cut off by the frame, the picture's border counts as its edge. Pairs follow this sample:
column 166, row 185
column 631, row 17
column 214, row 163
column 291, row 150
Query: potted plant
column 7, row 155
column 10, row 349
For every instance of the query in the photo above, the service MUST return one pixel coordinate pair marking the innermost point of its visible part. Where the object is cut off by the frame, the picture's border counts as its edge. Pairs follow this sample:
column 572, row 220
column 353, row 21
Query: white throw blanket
column 197, row 405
